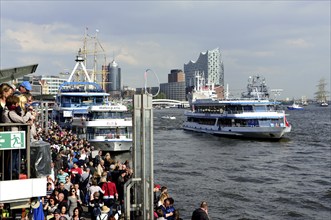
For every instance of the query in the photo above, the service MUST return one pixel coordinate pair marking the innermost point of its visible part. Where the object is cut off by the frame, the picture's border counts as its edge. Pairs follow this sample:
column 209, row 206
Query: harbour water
column 247, row 179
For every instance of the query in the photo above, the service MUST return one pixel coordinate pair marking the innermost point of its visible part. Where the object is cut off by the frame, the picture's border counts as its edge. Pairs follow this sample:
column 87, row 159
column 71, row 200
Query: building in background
column 176, row 75
column 175, row 88
column 128, row 92
column 150, row 90
column 113, row 79
column 210, row 64
column 42, row 85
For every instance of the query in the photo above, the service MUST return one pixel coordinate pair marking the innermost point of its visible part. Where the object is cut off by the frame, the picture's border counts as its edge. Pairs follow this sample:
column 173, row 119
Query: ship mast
column 321, row 94
column 97, row 50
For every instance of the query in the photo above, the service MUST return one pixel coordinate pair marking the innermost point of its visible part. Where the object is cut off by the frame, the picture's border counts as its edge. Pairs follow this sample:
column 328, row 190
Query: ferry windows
column 265, row 123
column 248, row 108
column 252, row 122
column 99, row 100
column 260, row 108
column 106, row 115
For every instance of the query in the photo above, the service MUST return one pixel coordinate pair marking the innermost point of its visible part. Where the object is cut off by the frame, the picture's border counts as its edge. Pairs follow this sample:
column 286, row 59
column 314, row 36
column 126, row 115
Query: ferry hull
column 239, row 132
column 294, row 108
column 112, row 145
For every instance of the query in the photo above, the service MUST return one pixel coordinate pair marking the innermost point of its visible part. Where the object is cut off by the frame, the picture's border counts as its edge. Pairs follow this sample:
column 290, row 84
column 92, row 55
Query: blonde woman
column 27, row 112
column 163, row 197
column 23, row 102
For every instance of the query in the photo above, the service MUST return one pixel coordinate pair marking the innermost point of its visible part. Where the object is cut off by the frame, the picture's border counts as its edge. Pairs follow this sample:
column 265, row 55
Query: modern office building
column 175, row 88
column 209, row 64
column 176, row 75
column 113, row 79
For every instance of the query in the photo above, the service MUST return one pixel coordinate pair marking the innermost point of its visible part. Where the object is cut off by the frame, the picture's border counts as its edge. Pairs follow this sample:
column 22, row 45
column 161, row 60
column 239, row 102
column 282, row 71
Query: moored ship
column 254, row 116
column 321, row 94
column 84, row 107
column 107, row 127
column 75, row 97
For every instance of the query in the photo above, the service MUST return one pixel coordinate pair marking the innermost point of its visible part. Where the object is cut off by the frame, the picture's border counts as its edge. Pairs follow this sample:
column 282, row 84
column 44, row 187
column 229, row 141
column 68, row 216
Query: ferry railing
column 110, row 136
column 233, row 111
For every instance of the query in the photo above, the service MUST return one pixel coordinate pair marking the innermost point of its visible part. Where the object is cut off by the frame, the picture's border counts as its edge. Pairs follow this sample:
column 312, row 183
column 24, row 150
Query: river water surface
column 247, row 179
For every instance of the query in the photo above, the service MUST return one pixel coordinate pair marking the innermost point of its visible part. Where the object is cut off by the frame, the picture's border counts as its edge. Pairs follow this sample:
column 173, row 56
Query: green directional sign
column 10, row 140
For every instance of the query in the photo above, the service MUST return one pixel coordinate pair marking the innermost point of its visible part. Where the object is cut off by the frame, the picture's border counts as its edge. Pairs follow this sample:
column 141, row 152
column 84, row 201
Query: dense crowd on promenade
column 79, row 179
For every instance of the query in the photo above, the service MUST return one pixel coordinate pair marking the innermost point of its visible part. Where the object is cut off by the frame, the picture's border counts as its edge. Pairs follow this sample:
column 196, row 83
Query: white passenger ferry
column 254, row 116
column 107, row 127
column 84, row 107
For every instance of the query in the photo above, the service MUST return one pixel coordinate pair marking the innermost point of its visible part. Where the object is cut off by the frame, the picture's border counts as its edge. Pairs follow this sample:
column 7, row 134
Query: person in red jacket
column 110, row 194
column 76, row 173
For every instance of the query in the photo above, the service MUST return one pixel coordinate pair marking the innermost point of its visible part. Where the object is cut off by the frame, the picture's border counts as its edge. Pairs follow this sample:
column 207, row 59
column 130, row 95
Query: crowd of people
column 79, row 179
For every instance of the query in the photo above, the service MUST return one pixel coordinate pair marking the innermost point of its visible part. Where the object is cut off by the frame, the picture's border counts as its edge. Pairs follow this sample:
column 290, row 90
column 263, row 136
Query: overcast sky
column 287, row 42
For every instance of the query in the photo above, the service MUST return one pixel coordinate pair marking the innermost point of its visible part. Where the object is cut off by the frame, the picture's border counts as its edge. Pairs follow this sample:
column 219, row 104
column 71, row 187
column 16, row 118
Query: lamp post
column 44, row 109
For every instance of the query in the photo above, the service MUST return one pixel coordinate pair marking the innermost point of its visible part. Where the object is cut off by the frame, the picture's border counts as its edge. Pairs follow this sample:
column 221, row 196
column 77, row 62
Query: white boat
column 107, row 127
column 254, row 116
column 324, row 104
column 168, row 117
column 321, row 94
column 83, row 106
column 304, row 101
column 295, row 106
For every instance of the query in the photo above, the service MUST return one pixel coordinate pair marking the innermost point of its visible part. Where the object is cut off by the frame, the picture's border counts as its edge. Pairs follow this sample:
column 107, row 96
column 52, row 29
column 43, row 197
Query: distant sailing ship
column 321, row 94
column 304, row 101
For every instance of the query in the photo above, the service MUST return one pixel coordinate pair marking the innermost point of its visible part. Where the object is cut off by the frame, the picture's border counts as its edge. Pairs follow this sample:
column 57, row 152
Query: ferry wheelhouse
column 74, row 99
column 250, row 117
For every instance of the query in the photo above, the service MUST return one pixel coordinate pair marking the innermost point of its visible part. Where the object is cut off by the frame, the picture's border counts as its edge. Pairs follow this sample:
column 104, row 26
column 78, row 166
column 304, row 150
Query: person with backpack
column 84, row 183
column 104, row 213
column 95, row 206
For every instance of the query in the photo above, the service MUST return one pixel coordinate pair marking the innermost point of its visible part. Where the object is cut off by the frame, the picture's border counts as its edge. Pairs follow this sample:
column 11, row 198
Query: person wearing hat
column 156, row 192
column 25, row 87
column 104, row 213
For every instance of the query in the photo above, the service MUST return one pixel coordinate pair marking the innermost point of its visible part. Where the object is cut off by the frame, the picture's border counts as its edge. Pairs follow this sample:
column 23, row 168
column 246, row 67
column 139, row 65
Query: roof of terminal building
column 16, row 72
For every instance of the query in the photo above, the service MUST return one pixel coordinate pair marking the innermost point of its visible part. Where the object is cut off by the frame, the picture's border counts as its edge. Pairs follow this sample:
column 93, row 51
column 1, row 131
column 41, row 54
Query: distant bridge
column 170, row 103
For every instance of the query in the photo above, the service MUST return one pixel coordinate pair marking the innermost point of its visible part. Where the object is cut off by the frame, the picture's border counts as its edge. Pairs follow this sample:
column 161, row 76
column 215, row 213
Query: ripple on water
column 327, row 195
column 294, row 214
column 246, row 179
column 235, row 196
column 314, row 205
column 322, row 182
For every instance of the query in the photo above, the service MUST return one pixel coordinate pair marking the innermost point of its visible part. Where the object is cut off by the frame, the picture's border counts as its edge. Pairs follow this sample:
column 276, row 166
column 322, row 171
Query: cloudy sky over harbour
column 287, row 42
